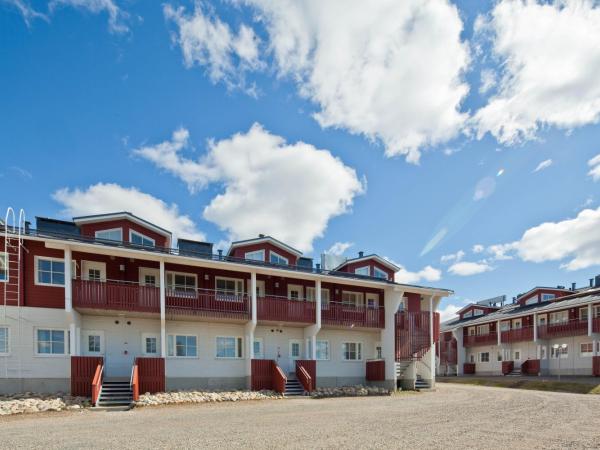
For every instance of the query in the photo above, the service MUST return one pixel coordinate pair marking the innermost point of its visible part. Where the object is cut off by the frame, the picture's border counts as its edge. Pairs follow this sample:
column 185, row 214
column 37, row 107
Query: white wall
column 336, row 366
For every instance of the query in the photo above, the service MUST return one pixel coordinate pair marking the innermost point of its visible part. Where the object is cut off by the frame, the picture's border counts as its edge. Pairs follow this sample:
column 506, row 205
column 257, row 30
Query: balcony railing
column 335, row 313
column 207, row 303
column 283, row 309
column 517, row 335
column 115, row 295
column 563, row 329
column 596, row 325
column 480, row 339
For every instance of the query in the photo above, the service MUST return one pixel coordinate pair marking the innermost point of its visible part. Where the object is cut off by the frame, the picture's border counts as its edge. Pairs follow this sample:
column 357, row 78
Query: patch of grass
column 535, row 385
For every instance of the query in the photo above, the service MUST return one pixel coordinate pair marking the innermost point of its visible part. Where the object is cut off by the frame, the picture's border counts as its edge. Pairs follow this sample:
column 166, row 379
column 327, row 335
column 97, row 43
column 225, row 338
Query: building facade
column 546, row 331
column 110, row 292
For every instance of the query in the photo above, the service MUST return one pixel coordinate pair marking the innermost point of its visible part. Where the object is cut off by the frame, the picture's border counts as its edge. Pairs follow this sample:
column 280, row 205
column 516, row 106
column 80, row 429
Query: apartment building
column 545, row 331
column 107, row 298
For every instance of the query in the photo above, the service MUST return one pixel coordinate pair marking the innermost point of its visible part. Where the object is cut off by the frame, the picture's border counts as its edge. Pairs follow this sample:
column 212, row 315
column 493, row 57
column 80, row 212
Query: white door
column 260, row 288
column 118, row 357
column 295, row 352
column 372, row 301
column 93, row 270
column 149, row 276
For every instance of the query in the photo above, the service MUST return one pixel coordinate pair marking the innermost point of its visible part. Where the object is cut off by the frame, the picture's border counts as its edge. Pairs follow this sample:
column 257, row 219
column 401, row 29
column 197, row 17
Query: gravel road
column 453, row 417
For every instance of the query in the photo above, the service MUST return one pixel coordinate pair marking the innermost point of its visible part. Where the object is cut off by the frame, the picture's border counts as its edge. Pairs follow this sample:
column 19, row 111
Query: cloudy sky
column 460, row 140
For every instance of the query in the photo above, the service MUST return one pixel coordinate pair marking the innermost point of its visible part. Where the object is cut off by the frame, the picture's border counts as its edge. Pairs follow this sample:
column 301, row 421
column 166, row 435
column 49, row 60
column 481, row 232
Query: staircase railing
column 304, row 378
column 507, row 367
column 134, row 383
column 97, row 383
column 279, row 378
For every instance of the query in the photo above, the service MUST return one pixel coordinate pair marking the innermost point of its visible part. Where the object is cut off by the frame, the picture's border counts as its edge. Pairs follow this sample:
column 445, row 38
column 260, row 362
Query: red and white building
column 546, row 331
column 107, row 297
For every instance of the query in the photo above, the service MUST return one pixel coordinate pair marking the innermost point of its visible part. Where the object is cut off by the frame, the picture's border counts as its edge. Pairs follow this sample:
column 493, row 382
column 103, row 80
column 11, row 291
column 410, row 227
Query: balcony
column 282, row 309
column 563, row 329
column 517, row 335
column 596, row 325
column 335, row 313
column 116, row 295
column 207, row 303
column 480, row 339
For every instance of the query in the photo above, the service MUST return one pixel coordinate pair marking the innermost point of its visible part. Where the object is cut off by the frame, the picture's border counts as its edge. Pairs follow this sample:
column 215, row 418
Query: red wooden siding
column 371, row 263
column 151, row 374
column 375, row 370
column 469, row 368
column 596, row 325
column 573, row 327
column 35, row 295
column 126, row 225
column 262, row 374
column 83, row 369
column 539, row 292
column 507, row 367
column 485, row 309
column 340, row 314
column 531, row 367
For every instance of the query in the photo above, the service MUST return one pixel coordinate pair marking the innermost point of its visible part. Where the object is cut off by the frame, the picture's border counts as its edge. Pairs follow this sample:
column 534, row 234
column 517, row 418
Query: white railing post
column 68, row 280
column 392, row 299
column 432, row 341
column 163, row 310
column 254, row 311
column 590, row 320
column 535, row 330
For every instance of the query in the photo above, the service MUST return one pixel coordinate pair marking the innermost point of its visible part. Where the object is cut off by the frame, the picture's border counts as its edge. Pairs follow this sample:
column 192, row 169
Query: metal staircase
column 115, row 396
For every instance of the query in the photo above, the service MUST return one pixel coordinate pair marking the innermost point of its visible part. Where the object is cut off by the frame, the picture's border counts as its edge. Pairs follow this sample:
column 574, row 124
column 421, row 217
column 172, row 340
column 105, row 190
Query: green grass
column 535, row 385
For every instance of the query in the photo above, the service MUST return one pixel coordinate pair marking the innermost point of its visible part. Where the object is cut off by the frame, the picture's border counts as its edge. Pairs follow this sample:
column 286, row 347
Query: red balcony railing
column 117, row 295
column 517, row 335
column 596, row 325
column 286, row 310
column 207, row 303
column 334, row 313
column 413, row 334
column 563, row 329
column 480, row 339
column 448, row 352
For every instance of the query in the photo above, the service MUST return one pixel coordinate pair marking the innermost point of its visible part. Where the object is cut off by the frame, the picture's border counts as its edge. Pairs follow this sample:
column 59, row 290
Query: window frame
column 143, row 272
column 564, row 313
column 175, row 290
column 4, row 271
column 37, row 259
column 157, row 337
column 583, row 312
column 586, row 354
column 358, row 269
column 563, row 353
column 87, row 334
column 260, row 341
column 483, row 330
column 7, row 340
column 143, row 236
column 358, row 350
column 381, row 272
column 328, row 350
column 295, row 287
column 238, row 347
column 546, row 297
column 230, row 296
column 174, row 340
column 480, row 357
column 51, row 355
column 277, row 255
column 261, row 251
column 108, row 230
column 359, row 300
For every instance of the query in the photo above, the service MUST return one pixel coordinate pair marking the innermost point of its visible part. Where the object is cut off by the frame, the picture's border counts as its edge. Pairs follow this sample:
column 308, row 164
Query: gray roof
column 516, row 310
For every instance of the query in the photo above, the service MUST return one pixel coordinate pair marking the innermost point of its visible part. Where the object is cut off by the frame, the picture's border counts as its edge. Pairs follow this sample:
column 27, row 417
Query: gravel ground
column 456, row 416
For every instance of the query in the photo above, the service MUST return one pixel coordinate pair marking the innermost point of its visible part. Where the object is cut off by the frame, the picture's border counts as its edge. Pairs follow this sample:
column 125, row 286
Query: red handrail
column 279, row 379
column 97, row 383
column 304, row 378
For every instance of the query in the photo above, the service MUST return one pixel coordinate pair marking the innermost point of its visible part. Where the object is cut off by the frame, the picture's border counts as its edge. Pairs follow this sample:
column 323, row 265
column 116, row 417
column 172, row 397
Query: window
column 363, row 271
column 472, row 331
column 483, row 330
column 93, row 270
column 275, row 258
column 517, row 323
column 229, row 287
column 499, row 356
column 468, row 314
column 562, row 351
column 311, row 295
column 583, row 313
column 378, row 351
column 517, row 355
column 352, row 351
column 323, row 350
column 229, row 347
column 149, row 277
column 50, row 271
column 150, row 344
column 372, row 301
column 4, row 340
column 378, row 273
column 352, row 299
column 50, row 342
column 532, row 301
column 402, row 305
column 543, row 352
column 559, row 317
column 541, row 320
column 182, row 282
column 94, row 343
column 258, row 255
column 548, row 297
column 478, row 312
column 586, row 349
column 597, row 311
column 3, row 267
column 258, row 348
column 471, row 358
column 295, row 349
column 505, row 326
column 115, row 234
column 295, row 292
column 140, row 239
column 506, row 355
column 182, row 346
column 484, row 357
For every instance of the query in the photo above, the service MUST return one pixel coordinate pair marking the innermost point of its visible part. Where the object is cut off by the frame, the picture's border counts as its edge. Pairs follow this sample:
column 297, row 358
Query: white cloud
column 488, row 80
column 543, row 165
column 428, row 273
column 29, row 14
column 389, row 70
column 448, row 312
column 109, row 197
column 289, row 191
column 339, row 248
column 478, row 248
column 208, row 42
column 501, row 252
column 453, row 257
column 467, row 268
column 533, row 40
column 594, row 172
column 484, row 188
column 116, row 16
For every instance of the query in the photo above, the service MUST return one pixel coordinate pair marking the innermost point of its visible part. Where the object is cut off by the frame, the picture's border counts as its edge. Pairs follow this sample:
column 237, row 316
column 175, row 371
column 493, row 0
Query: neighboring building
column 494, row 338
column 106, row 297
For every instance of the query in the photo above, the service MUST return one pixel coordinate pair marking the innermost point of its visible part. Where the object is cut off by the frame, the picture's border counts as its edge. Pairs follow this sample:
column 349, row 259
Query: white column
column 535, row 321
column 163, row 311
column 392, row 299
column 253, row 313
column 68, row 280
column 318, row 300
column 73, row 339
column 432, row 340
column 460, row 351
column 250, row 328
column 590, row 319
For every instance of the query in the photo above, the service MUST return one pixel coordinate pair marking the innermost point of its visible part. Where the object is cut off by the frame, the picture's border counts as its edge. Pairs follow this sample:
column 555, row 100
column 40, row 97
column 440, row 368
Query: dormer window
column 114, row 234
column 140, row 239
column 532, row 301
column 258, row 255
column 468, row 314
column 380, row 273
column 362, row 271
column 478, row 312
column 275, row 258
column 548, row 297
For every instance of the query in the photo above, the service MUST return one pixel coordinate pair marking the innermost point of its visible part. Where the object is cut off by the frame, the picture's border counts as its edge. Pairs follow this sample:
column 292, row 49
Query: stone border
column 30, row 402
column 350, row 391
column 182, row 397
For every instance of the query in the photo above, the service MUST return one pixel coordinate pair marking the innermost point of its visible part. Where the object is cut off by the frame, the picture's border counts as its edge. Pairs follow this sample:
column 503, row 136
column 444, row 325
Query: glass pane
column 171, row 346
column 58, row 336
column 58, row 348
column 44, row 264
column 136, row 239
column 58, row 266
column 44, row 347
column 191, row 343
column 58, row 278
column 43, row 335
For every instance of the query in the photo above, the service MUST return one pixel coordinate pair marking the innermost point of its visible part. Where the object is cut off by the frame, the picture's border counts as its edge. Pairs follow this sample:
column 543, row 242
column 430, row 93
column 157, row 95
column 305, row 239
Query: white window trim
column 262, row 252
column 586, row 354
column 358, row 269
column 157, row 337
column 120, row 230
column 237, row 347
column 174, row 356
column 271, row 252
column 261, row 354
column 520, row 354
column 142, row 235
column 167, row 273
column 241, row 280
column 583, row 311
column 547, row 297
column 362, row 356
column 296, row 287
column 480, row 359
column 143, row 271
column 7, row 353
column 51, row 355
column 94, row 265
column 357, row 300
column 295, row 341
column 36, row 264
column 86, row 342
column 378, row 344
column 328, row 350
column 372, row 296
column 4, row 255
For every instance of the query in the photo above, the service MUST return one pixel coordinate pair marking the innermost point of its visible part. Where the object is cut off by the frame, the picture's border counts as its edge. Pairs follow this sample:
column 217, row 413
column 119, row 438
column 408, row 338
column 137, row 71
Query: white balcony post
column 392, row 299
column 253, row 298
column 535, row 330
column 163, row 311
column 68, row 280
column 318, row 304
column 590, row 321
column 250, row 328
column 498, row 334
column 432, row 341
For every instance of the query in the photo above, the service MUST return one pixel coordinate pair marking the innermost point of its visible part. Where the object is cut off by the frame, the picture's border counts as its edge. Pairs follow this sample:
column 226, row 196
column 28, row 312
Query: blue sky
column 380, row 129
